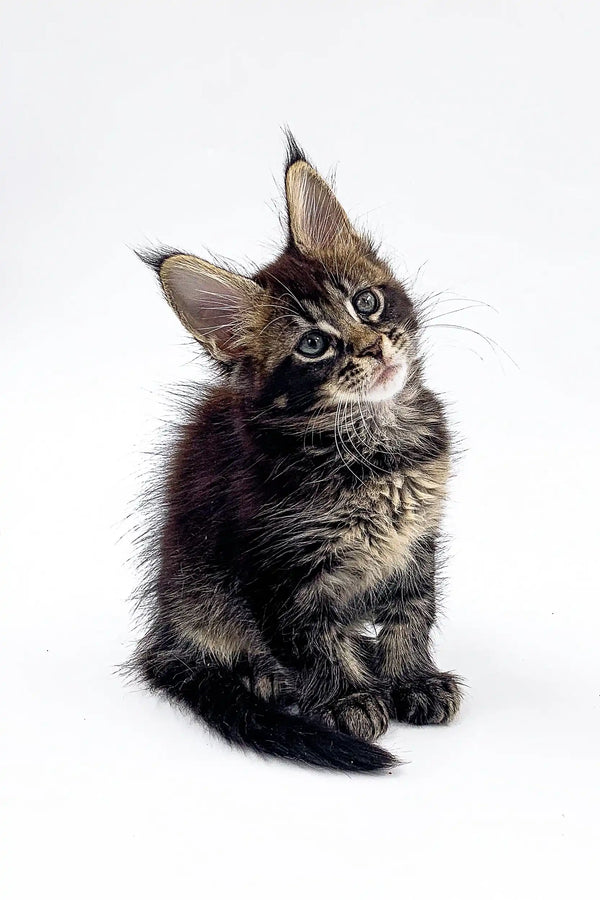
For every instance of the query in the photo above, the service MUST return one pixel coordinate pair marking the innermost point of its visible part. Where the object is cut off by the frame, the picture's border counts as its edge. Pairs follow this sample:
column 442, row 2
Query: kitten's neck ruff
column 388, row 430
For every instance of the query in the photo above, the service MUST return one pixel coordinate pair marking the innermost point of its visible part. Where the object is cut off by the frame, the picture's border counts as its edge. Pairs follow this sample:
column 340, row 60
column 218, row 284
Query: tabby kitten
column 303, row 501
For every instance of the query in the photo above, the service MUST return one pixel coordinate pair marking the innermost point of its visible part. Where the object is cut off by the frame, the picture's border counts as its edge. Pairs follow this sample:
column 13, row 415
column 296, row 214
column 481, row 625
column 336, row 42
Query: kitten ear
column 211, row 302
column 317, row 220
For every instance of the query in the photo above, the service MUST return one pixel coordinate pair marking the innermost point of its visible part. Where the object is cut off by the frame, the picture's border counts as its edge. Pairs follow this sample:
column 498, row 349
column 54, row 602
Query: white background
column 466, row 136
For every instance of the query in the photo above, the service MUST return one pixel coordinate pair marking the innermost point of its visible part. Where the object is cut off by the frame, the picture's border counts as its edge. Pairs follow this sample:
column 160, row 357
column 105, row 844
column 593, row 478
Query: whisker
column 494, row 345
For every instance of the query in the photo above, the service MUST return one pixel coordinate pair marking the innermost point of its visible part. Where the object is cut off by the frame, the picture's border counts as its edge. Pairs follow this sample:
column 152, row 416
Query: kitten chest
column 371, row 531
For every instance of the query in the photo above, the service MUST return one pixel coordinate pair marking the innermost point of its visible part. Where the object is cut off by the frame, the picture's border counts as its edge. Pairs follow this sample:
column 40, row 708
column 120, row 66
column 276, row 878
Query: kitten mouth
column 387, row 375
column 388, row 381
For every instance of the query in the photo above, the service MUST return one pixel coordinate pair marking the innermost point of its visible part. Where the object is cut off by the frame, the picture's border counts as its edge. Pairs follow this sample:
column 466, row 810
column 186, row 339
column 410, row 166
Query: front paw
column 274, row 686
column 362, row 714
column 429, row 699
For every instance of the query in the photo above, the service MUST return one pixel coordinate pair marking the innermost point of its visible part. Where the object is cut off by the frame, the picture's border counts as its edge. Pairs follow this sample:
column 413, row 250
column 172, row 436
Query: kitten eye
column 312, row 344
column 366, row 303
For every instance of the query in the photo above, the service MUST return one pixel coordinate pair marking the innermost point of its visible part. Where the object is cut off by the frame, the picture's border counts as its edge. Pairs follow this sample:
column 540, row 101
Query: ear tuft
column 211, row 302
column 295, row 153
column 154, row 257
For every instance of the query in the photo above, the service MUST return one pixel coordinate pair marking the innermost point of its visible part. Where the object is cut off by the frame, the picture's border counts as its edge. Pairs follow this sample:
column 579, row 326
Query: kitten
column 303, row 500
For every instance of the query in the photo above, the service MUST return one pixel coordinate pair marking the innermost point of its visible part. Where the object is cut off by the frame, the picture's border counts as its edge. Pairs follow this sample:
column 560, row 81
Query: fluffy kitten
column 303, row 500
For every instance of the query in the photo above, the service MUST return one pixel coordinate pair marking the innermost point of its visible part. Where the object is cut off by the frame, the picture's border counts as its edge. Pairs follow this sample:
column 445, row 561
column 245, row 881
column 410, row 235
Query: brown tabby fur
column 302, row 502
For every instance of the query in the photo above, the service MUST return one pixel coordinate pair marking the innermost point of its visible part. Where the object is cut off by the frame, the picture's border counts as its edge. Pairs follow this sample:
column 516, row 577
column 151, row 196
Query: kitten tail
column 223, row 702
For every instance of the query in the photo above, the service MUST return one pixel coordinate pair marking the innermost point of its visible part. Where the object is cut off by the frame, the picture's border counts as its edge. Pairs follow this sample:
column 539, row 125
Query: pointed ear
column 316, row 218
column 212, row 303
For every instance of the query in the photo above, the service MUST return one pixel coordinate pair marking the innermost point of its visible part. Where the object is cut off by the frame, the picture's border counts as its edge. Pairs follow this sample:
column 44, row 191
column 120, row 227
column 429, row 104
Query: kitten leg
column 420, row 693
column 337, row 684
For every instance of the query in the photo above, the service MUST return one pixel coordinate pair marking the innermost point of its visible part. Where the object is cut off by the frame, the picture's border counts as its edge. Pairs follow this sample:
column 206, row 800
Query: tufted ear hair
column 212, row 303
column 317, row 221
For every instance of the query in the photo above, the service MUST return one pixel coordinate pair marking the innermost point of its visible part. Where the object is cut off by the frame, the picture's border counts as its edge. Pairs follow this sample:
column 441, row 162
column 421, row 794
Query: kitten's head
column 325, row 322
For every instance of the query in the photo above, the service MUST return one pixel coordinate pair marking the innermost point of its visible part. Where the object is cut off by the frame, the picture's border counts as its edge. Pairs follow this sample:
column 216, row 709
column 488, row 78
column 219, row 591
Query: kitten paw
column 431, row 699
column 362, row 714
column 273, row 686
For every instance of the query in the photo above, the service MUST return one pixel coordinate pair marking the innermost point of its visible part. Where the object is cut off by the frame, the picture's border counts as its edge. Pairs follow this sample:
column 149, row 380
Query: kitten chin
column 388, row 383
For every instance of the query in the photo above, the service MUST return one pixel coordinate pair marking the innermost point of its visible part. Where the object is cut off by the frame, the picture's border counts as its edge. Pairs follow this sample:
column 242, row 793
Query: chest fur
column 385, row 519
column 363, row 535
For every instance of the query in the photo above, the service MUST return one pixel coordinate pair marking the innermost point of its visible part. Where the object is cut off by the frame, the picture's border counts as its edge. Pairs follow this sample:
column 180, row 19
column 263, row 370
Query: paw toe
column 432, row 699
column 361, row 714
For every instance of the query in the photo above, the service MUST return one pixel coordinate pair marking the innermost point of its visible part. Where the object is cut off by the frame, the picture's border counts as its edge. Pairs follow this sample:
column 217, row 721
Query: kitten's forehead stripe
column 349, row 306
column 322, row 325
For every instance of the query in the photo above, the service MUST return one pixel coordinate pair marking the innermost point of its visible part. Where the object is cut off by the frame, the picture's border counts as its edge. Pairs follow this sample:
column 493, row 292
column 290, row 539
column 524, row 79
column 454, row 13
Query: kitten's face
column 328, row 332
column 325, row 324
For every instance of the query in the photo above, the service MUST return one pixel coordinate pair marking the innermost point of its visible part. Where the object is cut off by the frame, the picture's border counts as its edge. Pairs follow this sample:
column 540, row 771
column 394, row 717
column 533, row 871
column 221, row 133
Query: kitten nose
column 373, row 349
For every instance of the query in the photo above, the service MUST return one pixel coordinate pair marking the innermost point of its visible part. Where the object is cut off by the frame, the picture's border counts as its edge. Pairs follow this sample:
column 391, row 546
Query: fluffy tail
column 221, row 699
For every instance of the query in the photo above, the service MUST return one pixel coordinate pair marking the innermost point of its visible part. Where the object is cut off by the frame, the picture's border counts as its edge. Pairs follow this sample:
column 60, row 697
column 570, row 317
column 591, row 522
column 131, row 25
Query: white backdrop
column 466, row 135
